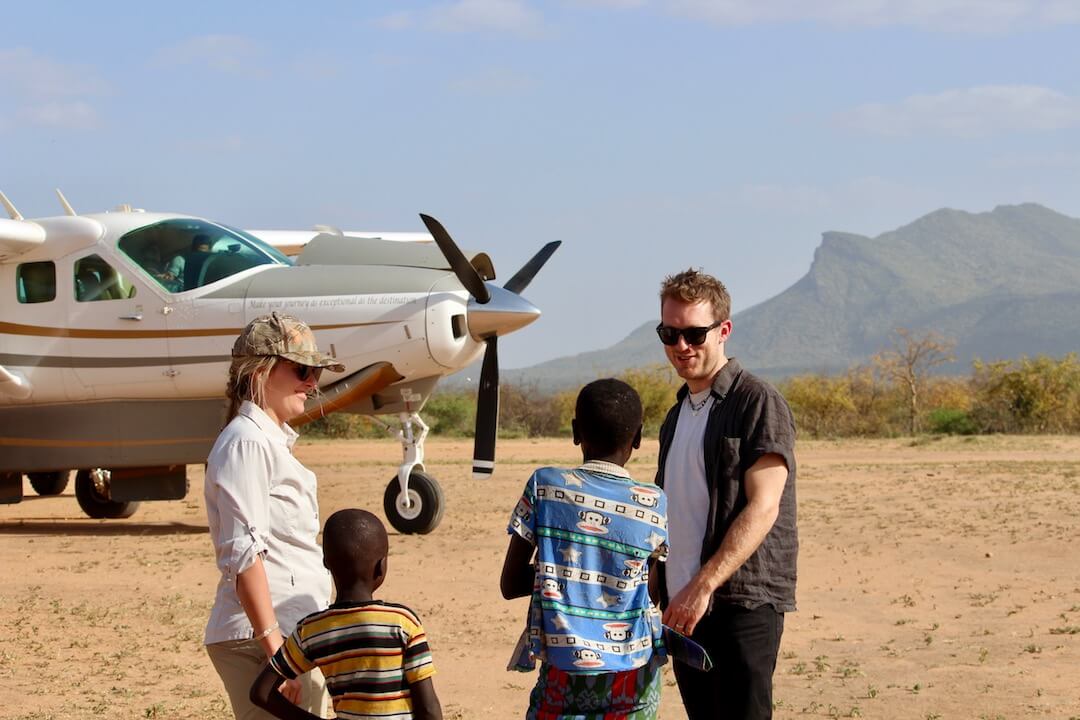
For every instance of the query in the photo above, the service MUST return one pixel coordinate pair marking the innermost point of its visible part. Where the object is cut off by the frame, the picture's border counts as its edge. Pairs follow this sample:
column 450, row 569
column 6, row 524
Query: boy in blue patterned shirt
column 594, row 532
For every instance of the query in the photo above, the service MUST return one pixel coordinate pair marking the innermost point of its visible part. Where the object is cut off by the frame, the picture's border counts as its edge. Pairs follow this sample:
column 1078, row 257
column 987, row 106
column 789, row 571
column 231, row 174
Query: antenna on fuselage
column 11, row 211
column 65, row 204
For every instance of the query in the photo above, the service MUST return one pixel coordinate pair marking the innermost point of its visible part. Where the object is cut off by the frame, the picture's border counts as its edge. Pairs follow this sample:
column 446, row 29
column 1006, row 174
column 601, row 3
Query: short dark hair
column 354, row 541
column 200, row 239
column 608, row 415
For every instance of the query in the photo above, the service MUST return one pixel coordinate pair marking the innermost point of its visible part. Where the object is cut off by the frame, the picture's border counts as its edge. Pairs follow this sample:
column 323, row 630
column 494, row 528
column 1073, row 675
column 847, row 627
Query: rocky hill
column 1001, row 284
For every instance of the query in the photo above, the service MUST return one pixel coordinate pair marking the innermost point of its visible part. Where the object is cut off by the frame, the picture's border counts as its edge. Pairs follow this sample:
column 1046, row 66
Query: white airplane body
column 113, row 357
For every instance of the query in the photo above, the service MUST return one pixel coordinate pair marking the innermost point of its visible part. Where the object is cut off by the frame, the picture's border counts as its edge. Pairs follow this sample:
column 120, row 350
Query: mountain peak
column 1002, row 284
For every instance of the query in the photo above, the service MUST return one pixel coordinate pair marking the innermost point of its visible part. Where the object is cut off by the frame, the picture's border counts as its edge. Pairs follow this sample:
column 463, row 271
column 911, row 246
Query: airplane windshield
column 184, row 253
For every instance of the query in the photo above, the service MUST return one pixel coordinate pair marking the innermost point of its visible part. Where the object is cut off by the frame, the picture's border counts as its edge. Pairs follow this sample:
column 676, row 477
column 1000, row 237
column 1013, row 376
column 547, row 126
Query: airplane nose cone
column 504, row 313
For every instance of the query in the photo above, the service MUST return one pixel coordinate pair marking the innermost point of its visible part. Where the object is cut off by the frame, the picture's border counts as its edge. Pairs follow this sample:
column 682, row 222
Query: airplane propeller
column 492, row 311
column 461, row 266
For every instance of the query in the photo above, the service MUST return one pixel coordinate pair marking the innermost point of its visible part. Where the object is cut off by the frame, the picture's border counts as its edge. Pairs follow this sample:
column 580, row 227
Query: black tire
column 49, row 483
column 428, row 504
column 11, row 488
column 96, row 505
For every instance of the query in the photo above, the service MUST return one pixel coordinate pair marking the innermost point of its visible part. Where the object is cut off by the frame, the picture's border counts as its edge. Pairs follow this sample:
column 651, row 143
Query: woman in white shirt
column 263, row 512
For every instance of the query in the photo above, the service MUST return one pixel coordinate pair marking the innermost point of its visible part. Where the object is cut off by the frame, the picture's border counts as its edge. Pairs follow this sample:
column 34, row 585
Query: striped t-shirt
column 370, row 653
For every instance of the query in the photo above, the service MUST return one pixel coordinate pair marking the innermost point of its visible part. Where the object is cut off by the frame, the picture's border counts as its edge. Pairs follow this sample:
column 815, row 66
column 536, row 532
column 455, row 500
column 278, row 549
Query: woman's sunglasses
column 305, row 373
column 694, row 335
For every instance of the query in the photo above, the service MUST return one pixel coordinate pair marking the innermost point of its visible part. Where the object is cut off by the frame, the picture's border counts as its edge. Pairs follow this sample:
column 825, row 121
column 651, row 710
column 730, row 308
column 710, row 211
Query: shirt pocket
column 730, row 494
column 297, row 499
column 285, row 507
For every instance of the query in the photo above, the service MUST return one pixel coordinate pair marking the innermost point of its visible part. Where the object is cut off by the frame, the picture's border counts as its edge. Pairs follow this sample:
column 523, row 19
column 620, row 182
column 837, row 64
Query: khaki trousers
column 239, row 662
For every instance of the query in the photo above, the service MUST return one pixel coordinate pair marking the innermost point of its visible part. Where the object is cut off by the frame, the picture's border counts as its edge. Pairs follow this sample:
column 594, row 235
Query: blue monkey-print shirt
column 595, row 530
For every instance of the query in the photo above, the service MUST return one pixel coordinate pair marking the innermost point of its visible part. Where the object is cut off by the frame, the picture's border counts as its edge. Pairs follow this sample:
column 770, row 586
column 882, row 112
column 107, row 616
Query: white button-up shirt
column 260, row 501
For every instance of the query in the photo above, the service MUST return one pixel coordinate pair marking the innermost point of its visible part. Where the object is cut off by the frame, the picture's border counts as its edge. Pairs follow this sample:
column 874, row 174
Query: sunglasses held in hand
column 694, row 335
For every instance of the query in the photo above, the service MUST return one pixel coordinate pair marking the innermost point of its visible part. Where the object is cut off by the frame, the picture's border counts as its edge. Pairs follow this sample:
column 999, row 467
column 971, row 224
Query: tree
column 656, row 385
column 822, row 405
column 908, row 362
column 1029, row 395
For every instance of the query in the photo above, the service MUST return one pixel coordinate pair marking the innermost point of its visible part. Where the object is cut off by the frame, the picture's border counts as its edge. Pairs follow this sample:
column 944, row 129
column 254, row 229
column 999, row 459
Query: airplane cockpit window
column 36, row 282
column 184, row 254
column 96, row 279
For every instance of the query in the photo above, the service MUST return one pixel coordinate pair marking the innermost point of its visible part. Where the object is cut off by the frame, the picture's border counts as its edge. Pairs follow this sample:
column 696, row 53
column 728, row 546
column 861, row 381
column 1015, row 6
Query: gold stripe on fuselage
column 38, row 331
column 37, row 442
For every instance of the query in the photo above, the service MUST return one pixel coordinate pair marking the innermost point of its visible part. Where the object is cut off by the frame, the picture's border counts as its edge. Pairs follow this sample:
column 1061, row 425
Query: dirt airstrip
column 938, row 579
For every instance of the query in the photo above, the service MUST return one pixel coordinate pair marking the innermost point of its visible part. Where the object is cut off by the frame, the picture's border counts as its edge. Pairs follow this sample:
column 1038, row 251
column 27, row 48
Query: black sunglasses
column 694, row 335
column 305, row 372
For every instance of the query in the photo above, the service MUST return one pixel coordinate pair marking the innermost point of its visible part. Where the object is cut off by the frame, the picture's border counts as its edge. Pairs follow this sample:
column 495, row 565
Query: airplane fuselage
column 150, row 356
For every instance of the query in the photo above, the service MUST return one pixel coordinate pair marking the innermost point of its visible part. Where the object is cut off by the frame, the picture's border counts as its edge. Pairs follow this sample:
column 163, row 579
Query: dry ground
column 937, row 580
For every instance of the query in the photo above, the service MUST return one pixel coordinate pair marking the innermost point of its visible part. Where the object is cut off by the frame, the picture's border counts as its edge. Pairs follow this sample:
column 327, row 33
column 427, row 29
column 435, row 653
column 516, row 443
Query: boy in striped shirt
column 374, row 654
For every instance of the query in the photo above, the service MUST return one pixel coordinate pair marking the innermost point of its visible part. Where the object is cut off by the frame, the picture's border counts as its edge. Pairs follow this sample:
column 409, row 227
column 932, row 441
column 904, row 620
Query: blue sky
column 649, row 136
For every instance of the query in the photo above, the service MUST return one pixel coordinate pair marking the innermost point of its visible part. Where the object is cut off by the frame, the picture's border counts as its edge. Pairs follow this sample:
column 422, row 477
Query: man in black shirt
column 727, row 464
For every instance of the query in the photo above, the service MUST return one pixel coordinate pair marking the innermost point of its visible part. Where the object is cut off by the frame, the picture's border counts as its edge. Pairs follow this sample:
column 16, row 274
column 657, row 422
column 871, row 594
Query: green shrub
column 1029, row 395
column 656, row 385
column 823, row 406
column 951, row 421
column 525, row 411
column 345, row 426
column 1040, row 395
column 451, row 414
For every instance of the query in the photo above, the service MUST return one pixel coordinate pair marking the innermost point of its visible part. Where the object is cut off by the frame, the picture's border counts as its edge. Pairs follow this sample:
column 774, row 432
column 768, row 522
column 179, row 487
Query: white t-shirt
column 687, row 491
column 261, row 501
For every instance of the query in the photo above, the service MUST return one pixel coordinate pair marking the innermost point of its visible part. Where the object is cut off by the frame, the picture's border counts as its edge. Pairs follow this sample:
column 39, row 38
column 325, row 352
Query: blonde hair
column 247, row 381
column 693, row 286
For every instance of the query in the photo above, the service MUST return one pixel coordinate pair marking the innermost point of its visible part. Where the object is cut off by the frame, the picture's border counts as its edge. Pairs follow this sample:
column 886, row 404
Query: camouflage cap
column 283, row 336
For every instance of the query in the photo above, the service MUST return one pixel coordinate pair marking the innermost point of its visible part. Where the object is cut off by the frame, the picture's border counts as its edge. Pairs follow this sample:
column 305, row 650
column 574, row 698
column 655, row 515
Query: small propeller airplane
column 116, row 330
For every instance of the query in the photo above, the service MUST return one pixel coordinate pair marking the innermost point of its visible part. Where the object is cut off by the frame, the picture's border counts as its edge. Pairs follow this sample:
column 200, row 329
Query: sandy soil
column 937, row 580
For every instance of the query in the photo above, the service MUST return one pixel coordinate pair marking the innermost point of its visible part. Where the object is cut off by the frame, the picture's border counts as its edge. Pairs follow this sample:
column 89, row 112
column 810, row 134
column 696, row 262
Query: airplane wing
column 330, row 249
column 19, row 236
column 329, row 246
column 14, row 384
column 292, row 242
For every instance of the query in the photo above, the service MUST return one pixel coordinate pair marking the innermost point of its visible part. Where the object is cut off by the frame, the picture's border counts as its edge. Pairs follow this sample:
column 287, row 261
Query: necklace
column 697, row 407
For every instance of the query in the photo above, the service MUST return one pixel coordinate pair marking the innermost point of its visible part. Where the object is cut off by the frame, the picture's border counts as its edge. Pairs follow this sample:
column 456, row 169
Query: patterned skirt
column 632, row 694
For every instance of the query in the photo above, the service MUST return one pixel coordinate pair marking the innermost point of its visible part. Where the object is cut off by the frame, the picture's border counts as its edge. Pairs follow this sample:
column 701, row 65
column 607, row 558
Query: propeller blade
column 461, row 266
column 528, row 271
column 487, row 413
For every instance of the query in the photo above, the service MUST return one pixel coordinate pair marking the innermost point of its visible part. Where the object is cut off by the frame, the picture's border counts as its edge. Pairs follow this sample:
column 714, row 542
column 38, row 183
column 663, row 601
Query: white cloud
column 614, row 4
column 31, row 75
column 944, row 15
column 76, row 115
column 514, row 16
column 396, row 21
column 1062, row 12
column 44, row 92
column 232, row 54
column 462, row 16
column 968, row 112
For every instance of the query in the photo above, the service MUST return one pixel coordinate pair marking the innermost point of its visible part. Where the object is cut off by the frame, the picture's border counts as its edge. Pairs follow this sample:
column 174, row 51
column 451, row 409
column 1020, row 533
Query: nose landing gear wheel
column 97, row 505
column 49, row 483
column 422, row 510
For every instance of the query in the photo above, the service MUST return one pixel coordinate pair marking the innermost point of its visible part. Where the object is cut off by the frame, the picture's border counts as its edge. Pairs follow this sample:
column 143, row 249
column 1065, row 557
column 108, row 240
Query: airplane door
column 34, row 343
column 118, row 333
column 201, row 335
